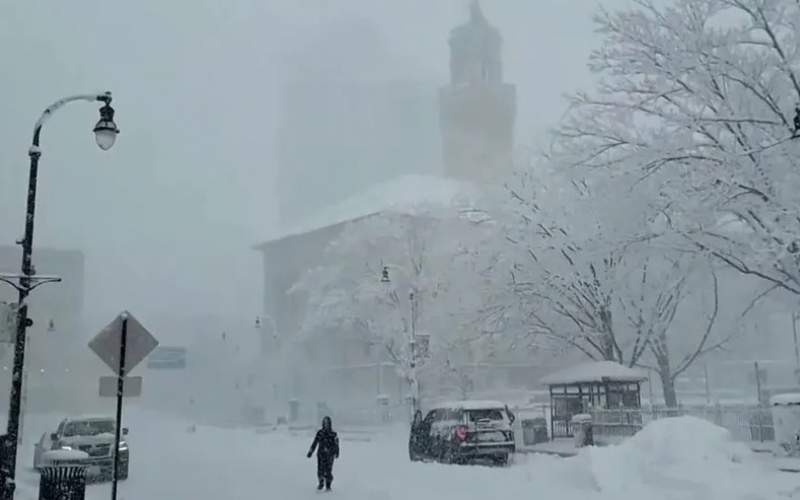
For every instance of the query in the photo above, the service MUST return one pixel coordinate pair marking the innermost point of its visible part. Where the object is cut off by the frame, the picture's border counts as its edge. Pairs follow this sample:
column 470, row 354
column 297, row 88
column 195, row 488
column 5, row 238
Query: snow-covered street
column 667, row 463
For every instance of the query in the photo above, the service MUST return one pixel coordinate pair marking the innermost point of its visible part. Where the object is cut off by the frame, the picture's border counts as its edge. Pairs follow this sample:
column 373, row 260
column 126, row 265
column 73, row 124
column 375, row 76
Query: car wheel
column 501, row 461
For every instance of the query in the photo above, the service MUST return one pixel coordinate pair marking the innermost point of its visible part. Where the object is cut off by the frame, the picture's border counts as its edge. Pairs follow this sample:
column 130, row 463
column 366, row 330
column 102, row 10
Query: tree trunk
column 660, row 350
column 607, row 340
column 668, row 387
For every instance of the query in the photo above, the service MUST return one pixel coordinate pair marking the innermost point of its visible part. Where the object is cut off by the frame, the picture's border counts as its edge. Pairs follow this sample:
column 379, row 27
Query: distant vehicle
column 91, row 435
column 464, row 431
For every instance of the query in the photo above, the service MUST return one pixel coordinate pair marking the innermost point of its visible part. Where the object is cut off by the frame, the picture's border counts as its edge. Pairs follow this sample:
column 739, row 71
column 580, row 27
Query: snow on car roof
column 472, row 405
column 597, row 371
column 85, row 418
column 792, row 398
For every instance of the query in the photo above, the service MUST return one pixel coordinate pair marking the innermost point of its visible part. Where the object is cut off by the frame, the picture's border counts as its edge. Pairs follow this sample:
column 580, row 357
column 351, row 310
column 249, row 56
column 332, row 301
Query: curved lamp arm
column 48, row 112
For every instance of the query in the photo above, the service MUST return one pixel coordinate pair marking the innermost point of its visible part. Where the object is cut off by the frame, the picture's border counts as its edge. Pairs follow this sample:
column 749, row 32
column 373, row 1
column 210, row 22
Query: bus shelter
column 596, row 385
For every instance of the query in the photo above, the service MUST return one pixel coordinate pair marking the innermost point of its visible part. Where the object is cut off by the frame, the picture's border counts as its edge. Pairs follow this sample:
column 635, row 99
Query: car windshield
column 489, row 414
column 89, row 428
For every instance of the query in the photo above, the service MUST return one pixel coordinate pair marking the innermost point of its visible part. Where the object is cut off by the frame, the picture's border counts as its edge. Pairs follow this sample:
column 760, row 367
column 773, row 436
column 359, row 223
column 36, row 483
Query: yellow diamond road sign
column 138, row 343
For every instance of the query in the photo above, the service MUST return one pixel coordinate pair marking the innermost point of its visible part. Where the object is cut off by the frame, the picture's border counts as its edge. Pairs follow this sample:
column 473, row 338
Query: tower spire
column 477, row 109
column 476, row 13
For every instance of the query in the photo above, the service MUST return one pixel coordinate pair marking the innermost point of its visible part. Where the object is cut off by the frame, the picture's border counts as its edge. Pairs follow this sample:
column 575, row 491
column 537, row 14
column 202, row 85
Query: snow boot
column 321, row 485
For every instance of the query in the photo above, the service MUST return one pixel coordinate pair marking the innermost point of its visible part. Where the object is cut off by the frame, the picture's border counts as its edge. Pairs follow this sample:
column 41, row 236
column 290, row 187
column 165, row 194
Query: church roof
column 406, row 194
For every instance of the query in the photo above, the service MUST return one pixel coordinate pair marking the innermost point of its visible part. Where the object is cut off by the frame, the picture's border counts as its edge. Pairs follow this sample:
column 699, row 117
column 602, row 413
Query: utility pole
column 412, row 361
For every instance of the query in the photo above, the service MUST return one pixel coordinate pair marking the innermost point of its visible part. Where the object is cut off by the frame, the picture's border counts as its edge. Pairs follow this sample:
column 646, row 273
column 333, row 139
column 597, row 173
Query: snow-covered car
column 92, row 435
column 464, row 431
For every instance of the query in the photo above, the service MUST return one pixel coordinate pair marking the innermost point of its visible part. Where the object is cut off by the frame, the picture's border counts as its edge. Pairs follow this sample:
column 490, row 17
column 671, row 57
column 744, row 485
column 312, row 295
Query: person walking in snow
column 326, row 443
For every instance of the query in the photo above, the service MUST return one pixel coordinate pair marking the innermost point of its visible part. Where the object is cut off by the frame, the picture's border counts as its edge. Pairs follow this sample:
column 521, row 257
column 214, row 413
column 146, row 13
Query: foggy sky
column 167, row 218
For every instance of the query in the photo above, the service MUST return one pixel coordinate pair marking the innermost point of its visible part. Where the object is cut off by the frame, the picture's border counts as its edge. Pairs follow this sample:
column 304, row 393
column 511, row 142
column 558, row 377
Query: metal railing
column 745, row 423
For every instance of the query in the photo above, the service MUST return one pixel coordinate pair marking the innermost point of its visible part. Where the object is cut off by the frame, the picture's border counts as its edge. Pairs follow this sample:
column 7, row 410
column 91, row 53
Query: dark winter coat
column 326, row 443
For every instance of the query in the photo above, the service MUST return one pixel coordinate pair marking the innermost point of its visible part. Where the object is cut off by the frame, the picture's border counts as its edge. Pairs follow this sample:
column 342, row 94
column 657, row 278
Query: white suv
column 92, row 435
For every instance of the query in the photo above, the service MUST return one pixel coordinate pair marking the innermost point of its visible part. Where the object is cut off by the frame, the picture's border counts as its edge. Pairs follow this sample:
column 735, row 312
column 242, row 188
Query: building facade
column 338, row 140
column 59, row 374
column 61, row 302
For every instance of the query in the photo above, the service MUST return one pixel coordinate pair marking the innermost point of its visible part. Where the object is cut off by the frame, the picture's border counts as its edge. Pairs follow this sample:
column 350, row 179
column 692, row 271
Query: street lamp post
column 412, row 298
column 105, row 134
column 412, row 362
column 795, row 317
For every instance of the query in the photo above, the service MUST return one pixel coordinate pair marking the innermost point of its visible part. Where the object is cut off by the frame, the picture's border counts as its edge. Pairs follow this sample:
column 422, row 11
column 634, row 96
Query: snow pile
column 682, row 457
column 685, row 440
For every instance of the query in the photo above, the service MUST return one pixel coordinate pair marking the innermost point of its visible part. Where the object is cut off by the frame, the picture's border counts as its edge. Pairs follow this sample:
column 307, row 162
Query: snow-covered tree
column 696, row 103
column 659, row 292
column 592, row 277
column 429, row 259
column 568, row 269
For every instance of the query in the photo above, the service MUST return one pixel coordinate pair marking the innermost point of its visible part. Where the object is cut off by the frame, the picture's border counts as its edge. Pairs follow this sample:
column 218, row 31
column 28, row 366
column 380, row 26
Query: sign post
column 120, row 387
column 122, row 345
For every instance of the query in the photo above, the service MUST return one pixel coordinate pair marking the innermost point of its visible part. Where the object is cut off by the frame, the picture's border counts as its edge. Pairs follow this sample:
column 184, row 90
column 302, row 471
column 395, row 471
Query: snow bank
column 687, row 441
column 682, row 457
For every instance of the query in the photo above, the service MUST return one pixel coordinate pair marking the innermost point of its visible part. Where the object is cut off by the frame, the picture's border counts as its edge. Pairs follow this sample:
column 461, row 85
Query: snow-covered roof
column 786, row 399
column 596, row 371
column 472, row 405
column 409, row 194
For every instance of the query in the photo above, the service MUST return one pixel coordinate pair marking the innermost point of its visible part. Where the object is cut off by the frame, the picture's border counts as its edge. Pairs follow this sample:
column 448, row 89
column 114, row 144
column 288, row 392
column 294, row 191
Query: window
column 630, row 400
column 491, row 414
column 566, row 407
column 89, row 428
column 447, row 414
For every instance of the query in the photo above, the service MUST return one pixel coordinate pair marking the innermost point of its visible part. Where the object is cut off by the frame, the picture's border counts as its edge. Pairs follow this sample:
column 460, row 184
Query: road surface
column 168, row 462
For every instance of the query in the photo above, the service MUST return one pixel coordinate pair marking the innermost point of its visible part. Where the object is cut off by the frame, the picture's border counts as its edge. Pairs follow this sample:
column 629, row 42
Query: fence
column 745, row 423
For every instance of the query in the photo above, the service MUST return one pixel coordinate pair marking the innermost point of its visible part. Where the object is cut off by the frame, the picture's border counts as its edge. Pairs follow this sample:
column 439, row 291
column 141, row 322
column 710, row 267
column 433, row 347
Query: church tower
column 477, row 109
